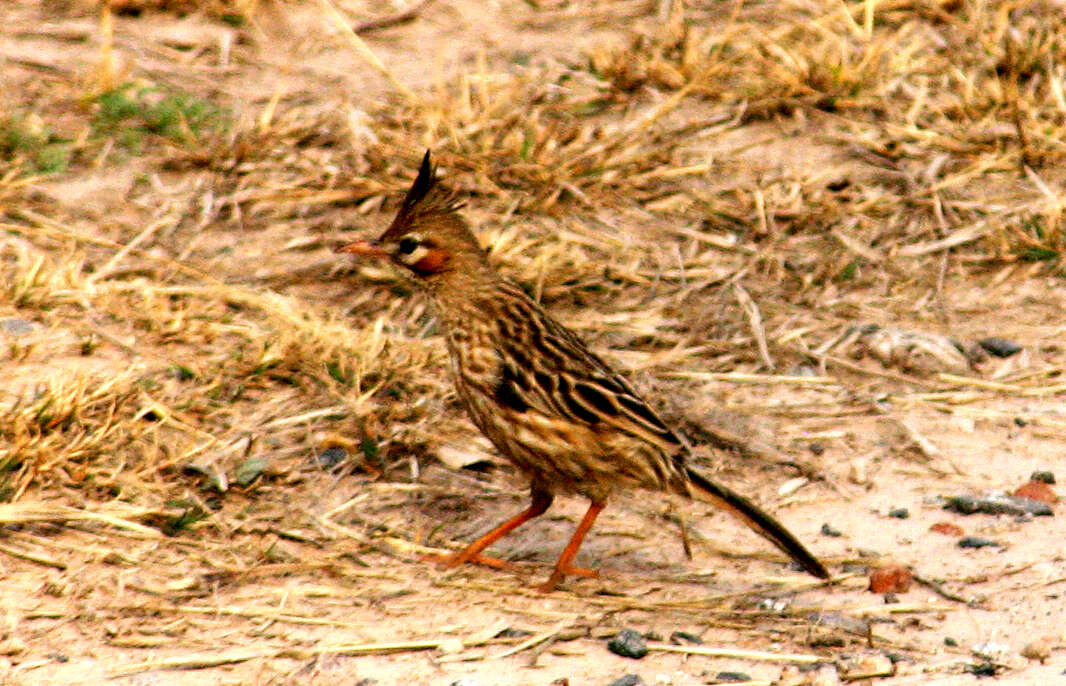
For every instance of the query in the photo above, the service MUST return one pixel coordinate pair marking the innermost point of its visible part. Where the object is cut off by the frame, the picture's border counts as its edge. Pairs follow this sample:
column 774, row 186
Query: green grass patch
column 133, row 113
column 27, row 140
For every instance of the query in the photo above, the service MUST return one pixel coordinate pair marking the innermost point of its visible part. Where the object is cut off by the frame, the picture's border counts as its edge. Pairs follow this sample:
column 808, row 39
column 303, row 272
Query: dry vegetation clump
column 941, row 105
column 66, row 427
column 212, row 367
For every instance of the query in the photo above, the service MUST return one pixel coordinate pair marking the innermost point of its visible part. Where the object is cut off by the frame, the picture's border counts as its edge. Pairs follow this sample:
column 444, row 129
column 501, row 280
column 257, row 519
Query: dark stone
column 628, row 680
column 731, row 677
column 976, row 542
column 816, row 448
column 997, row 504
column 1045, row 477
column 679, row 637
column 828, row 530
column 982, row 669
column 331, row 457
column 950, row 642
column 899, row 513
column 1000, row 347
column 628, row 643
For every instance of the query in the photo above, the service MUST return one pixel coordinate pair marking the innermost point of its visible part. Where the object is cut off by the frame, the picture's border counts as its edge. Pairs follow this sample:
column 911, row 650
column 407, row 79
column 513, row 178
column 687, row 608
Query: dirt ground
column 170, row 274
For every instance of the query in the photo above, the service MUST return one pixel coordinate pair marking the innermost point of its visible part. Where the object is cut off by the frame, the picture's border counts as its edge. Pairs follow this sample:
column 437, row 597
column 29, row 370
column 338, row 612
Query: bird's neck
column 464, row 297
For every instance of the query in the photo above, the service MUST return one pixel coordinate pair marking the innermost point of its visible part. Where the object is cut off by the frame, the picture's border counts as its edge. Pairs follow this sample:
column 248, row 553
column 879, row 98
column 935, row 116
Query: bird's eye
column 408, row 245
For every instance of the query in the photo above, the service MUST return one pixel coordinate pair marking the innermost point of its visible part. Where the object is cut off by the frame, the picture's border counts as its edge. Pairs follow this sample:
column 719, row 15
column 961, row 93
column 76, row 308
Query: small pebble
column 1037, row 650
column 990, row 650
column 1000, row 347
column 828, row 530
column 947, row 528
column 774, row 604
column 899, row 513
column 837, row 620
column 1043, row 476
column 1038, row 491
column 16, row 327
column 628, row 680
column 1020, row 422
column 816, row 448
column 981, row 669
column 865, row 667
column 679, row 637
column 513, row 633
column 976, row 542
column 331, row 457
column 731, row 677
column 895, row 579
column 950, row 642
column 997, row 504
column 628, row 643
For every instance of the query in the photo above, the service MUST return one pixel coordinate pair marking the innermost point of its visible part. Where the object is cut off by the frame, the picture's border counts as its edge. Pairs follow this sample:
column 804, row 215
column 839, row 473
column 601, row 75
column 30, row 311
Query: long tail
column 763, row 524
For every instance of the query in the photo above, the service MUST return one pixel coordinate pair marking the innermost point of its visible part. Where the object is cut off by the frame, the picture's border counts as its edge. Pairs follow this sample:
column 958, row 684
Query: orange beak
column 364, row 249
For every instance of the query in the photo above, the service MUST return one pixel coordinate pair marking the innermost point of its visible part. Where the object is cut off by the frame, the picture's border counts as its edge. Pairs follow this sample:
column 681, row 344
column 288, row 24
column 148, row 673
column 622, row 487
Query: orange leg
column 472, row 553
column 564, row 567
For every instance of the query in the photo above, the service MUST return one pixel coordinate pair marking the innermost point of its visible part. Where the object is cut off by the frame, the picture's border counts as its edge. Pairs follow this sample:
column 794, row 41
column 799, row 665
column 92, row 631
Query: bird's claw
column 559, row 574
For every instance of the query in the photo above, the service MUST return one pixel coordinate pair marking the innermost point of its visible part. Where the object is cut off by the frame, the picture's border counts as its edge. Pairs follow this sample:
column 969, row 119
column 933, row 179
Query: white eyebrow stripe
column 414, row 256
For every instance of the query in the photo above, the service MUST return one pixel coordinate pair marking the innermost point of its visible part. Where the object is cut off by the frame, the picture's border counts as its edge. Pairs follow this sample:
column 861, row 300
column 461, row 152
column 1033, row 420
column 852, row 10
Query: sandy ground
column 294, row 602
column 1007, row 596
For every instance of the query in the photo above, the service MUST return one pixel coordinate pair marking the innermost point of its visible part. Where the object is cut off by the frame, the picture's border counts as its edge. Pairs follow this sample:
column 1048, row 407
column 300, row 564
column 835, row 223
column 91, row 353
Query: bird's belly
column 566, row 457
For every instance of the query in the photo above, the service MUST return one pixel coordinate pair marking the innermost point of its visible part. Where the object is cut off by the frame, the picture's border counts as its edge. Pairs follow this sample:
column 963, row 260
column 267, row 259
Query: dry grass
column 198, row 347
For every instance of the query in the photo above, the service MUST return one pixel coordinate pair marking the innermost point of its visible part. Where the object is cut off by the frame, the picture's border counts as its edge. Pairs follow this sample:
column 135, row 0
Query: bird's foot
column 561, row 573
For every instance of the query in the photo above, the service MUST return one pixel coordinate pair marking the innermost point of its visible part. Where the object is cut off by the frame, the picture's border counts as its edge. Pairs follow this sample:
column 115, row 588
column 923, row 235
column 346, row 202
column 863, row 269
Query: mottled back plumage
column 555, row 409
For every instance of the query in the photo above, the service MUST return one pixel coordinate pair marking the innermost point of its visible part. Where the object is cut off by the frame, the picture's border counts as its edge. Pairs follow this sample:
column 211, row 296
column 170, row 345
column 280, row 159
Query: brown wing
column 546, row 368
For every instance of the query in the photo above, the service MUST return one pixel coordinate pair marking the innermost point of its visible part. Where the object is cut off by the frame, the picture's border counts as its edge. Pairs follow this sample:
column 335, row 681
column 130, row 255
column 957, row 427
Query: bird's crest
column 426, row 198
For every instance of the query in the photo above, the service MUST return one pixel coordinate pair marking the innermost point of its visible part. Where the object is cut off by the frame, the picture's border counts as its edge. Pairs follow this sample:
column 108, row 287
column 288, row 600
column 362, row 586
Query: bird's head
column 428, row 238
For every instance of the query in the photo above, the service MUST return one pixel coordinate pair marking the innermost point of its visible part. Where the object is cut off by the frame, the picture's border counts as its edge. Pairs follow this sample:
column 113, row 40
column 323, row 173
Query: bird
column 553, row 408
